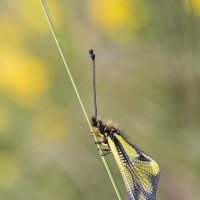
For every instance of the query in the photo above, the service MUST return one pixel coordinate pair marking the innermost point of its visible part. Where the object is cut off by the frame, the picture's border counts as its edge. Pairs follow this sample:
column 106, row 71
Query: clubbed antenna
column 92, row 55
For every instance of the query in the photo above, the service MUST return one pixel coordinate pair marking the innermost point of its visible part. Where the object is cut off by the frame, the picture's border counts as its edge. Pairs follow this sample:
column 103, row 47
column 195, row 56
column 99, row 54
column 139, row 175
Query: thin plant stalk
column 44, row 6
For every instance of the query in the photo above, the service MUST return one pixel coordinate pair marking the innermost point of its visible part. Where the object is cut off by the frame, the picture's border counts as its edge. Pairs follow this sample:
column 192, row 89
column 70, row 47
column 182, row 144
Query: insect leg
column 106, row 153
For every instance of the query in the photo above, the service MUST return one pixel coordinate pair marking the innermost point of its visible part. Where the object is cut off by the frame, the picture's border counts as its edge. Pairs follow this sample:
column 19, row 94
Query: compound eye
column 98, row 125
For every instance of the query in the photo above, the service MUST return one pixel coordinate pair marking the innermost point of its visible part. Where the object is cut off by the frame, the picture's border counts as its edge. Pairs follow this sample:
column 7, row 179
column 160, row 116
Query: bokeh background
column 148, row 80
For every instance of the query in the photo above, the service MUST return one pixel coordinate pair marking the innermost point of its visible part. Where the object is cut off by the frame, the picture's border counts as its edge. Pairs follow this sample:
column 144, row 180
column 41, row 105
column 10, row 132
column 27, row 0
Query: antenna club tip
column 90, row 51
column 91, row 54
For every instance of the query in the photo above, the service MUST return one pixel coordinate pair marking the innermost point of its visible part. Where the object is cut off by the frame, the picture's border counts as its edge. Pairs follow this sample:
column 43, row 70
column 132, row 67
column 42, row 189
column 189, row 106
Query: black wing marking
column 140, row 172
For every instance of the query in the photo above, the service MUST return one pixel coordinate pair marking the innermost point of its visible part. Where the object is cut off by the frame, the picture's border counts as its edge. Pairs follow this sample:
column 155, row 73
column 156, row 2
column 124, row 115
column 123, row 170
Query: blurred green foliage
column 148, row 79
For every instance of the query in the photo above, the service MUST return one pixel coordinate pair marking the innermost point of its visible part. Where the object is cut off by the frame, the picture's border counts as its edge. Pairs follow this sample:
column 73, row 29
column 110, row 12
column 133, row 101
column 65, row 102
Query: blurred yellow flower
column 118, row 18
column 9, row 170
column 23, row 76
column 192, row 7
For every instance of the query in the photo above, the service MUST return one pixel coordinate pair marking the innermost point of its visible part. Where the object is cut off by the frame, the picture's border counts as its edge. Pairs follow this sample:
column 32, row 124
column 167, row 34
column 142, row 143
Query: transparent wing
column 142, row 179
column 140, row 172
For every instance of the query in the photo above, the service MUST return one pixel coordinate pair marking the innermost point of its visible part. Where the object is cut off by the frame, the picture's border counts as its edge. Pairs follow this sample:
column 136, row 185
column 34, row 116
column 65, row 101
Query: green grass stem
column 44, row 6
